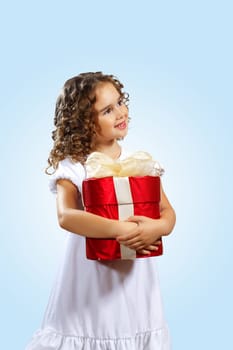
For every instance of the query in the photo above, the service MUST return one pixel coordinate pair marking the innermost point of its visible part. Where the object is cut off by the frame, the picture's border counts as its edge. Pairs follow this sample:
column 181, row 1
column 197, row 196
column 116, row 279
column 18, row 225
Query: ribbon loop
column 138, row 164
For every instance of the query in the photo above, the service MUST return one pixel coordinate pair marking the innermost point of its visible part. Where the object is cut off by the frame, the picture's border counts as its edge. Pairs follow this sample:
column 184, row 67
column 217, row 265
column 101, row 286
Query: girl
column 95, row 305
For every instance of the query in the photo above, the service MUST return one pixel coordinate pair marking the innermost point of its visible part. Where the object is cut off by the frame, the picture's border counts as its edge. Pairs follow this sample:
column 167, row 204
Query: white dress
column 113, row 305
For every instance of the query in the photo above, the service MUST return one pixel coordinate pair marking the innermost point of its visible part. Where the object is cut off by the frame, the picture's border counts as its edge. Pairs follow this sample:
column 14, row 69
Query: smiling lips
column 121, row 126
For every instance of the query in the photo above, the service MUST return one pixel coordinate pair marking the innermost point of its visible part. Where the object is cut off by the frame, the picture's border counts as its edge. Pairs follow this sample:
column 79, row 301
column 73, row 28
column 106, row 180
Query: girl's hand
column 152, row 247
column 149, row 232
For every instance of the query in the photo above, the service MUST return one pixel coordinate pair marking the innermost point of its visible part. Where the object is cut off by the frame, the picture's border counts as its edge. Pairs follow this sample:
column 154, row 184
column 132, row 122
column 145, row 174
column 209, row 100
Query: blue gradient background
column 175, row 58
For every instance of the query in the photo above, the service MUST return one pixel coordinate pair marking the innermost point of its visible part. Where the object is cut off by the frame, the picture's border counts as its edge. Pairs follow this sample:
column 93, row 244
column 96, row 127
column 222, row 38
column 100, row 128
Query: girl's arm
column 72, row 219
column 151, row 230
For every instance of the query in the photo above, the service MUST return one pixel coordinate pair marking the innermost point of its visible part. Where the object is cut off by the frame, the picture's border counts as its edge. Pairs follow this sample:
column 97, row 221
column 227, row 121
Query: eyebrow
column 103, row 109
column 108, row 106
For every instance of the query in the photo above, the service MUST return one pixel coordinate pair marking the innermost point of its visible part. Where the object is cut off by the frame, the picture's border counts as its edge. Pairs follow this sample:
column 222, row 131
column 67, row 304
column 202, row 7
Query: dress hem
column 49, row 339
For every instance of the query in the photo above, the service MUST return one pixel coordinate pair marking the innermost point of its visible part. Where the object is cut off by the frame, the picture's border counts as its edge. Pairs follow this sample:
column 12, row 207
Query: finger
column 152, row 247
column 144, row 252
column 136, row 246
column 128, row 237
column 130, row 241
column 158, row 242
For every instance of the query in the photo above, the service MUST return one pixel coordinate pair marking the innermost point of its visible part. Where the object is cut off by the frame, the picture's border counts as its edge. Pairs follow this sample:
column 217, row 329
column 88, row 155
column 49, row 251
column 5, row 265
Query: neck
column 113, row 151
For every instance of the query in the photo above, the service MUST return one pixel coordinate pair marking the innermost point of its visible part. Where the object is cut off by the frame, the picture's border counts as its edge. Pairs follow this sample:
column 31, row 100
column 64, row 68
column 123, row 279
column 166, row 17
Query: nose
column 119, row 112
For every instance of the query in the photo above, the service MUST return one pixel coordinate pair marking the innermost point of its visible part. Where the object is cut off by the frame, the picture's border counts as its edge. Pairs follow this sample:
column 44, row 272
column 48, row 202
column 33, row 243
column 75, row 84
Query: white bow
column 138, row 164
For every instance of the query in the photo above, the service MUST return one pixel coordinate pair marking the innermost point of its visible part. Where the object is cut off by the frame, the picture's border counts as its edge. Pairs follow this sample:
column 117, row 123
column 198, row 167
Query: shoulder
column 67, row 169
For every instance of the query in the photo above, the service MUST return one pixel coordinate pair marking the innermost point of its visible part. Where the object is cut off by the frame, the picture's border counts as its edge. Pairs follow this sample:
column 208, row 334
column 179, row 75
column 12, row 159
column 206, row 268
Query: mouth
column 121, row 126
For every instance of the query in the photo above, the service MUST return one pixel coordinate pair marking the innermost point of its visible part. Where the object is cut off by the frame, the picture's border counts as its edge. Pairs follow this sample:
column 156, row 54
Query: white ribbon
column 125, row 209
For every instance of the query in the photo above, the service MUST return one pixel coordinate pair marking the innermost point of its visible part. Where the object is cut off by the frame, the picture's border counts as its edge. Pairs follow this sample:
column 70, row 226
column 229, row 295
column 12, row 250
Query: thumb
column 135, row 218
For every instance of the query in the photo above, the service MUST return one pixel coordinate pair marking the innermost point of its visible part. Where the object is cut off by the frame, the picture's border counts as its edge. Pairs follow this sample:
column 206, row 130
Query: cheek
column 98, row 125
column 103, row 124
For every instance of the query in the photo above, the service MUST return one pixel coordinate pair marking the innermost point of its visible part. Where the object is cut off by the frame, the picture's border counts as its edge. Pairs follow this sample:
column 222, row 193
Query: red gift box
column 118, row 198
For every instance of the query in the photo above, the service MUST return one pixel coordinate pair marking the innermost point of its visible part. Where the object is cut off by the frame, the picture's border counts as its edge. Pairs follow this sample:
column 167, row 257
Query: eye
column 108, row 111
column 120, row 102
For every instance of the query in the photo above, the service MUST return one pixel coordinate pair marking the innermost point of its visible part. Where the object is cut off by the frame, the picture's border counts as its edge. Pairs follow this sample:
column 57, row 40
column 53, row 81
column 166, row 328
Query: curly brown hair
column 74, row 117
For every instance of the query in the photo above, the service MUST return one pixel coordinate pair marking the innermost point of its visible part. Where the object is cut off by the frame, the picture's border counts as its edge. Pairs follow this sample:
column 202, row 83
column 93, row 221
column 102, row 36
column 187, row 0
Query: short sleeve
column 158, row 169
column 69, row 170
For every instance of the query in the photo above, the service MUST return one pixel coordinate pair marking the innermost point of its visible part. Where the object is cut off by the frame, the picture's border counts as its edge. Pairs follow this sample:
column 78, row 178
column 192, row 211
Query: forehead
column 105, row 94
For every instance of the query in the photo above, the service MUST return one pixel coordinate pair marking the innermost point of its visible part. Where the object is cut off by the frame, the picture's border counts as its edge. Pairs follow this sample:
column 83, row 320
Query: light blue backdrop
column 175, row 58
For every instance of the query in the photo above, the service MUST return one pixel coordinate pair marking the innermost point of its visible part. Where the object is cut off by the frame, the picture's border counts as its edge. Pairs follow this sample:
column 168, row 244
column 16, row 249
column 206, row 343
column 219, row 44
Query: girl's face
column 111, row 113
